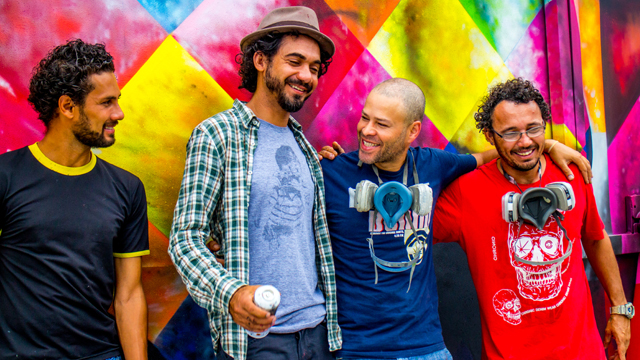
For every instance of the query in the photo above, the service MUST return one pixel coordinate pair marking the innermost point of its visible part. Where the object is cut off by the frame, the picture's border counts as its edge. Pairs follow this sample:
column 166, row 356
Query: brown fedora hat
column 285, row 19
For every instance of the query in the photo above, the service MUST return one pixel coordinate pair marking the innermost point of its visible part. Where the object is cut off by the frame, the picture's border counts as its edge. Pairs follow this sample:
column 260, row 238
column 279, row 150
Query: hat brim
column 324, row 41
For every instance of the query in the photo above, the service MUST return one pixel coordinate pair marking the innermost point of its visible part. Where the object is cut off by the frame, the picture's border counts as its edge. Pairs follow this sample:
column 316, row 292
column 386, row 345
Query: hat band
column 294, row 23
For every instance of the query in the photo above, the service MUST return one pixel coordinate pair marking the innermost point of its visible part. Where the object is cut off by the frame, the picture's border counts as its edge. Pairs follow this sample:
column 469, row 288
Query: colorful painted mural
column 175, row 62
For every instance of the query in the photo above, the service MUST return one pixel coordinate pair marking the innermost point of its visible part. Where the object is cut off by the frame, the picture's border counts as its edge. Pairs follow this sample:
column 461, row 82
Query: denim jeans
column 443, row 354
column 115, row 358
column 307, row 344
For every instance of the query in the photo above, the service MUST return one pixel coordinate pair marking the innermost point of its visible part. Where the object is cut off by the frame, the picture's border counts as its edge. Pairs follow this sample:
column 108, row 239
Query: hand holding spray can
column 267, row 298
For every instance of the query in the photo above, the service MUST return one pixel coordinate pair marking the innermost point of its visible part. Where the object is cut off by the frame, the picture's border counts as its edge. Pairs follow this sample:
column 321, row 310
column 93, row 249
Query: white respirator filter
column 422, row 196
column 363, row 197
column 564, row 194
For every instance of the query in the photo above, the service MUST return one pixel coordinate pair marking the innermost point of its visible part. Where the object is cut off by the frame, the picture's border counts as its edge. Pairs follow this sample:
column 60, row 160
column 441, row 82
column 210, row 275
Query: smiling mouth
column 298, row 88
column 524, row 153
column 110, row 127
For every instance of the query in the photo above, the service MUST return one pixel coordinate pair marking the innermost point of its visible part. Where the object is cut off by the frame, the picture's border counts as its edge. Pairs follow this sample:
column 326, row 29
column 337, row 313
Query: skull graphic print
column 507, row 305
column 538, row 257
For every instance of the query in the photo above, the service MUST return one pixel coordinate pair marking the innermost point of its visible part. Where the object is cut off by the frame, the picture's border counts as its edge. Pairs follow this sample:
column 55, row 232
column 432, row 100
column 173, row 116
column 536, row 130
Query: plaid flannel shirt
column 214, row 200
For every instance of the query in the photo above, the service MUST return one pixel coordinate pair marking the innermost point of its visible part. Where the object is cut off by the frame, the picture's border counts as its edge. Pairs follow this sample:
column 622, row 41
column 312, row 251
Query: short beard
column 275, row 86
column 390, row 152
column 512, row 164
column 83, row 133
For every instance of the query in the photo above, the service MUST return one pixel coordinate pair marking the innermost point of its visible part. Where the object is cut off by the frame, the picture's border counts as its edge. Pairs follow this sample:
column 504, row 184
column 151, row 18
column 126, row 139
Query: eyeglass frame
column 543, row 126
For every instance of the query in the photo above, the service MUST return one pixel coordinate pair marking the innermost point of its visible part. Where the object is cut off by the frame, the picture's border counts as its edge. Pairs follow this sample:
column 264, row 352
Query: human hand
column 562, row 155
column 247, row 314
column 618, row 328
column 214, row 247
column 330, row 152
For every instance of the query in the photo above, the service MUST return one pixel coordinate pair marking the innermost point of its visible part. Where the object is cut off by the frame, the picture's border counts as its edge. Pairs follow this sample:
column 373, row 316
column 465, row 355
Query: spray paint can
column 267, row 298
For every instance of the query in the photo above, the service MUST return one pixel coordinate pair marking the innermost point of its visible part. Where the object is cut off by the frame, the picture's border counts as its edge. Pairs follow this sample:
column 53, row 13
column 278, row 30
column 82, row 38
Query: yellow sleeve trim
column 61, row 169
column 132, row 254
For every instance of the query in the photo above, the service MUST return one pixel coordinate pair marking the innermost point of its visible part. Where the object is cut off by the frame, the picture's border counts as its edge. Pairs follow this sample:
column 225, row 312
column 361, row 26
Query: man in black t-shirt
column 73, row 227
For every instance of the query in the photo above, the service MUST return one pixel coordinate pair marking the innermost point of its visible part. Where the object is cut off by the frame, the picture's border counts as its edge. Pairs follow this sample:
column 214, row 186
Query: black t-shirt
column 61, row 228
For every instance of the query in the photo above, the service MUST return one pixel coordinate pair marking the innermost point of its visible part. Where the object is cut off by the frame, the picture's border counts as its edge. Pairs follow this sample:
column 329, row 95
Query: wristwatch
column 626, row 310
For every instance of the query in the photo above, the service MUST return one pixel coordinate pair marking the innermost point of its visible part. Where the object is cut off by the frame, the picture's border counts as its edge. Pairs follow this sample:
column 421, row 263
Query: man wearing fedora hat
column 254, row 183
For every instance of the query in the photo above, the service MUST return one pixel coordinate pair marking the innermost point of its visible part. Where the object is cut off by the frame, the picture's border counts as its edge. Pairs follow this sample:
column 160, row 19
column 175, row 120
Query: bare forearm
column 603, row 261
column 484, row 157
column 131, row 318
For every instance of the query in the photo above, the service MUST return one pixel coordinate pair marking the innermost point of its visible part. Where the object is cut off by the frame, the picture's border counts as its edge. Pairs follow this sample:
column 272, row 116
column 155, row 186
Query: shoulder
column 11, row 158
column 16, row 162
column 220, row 122
column 479, row 177
column 556, row 173
column 119, row 175
column 342, row 164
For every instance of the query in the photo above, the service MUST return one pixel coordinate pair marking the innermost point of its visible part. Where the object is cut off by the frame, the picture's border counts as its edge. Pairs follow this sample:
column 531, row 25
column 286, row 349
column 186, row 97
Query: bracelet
column 554, row 144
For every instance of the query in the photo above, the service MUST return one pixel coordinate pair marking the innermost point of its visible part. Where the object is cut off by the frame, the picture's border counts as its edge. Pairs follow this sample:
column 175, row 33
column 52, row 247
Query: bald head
column 408, row 93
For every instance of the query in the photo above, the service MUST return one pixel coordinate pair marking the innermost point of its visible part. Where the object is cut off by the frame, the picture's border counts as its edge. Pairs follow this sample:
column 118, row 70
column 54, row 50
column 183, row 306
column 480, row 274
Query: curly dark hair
column 516, row 90
column 65, row 71
column 268, row 45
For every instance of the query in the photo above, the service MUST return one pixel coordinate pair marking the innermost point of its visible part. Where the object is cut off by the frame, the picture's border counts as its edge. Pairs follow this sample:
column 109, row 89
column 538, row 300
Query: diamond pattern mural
column 176, row 65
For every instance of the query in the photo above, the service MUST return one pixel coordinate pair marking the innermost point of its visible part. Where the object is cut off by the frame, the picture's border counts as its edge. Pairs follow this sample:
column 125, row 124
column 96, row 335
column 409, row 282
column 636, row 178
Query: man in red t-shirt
column 532, row 289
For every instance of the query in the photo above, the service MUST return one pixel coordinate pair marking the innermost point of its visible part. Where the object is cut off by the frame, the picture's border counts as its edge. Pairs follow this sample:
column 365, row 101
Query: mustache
column 532, row 147
column 110, row 124
column 294, row 81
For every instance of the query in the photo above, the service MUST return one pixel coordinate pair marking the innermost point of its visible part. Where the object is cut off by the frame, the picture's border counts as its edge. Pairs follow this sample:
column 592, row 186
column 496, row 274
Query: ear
column 414, row 130
column 488, row 137
column 66, row 106
column 260, row 61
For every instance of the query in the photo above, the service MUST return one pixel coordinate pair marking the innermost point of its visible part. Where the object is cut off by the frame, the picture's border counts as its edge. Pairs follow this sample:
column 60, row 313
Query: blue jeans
column 115, row 358
column 443, row 354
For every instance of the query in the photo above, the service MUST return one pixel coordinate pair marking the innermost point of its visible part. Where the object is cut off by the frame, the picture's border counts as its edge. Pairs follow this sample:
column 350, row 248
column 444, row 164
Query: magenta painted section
column 229, row 25
column 624, row 168
column 528, row 59
column 340, row 115
column 130, row 33
column 338, row 119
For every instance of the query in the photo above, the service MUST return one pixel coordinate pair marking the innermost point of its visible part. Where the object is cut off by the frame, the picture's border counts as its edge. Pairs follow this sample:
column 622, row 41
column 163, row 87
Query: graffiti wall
column 175, row 62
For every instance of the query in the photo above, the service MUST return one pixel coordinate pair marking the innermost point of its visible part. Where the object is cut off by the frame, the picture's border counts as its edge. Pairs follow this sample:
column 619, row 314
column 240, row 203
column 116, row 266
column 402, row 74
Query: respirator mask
column 535, row 206
column 393, row 200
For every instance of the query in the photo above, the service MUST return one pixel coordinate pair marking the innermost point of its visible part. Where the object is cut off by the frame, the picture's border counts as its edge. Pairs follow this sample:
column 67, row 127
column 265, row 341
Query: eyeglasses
column 516, row 135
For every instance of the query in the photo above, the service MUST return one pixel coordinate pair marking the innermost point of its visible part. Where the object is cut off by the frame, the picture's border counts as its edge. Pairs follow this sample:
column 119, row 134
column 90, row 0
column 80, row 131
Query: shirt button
column 250, row 172
column 255, row 122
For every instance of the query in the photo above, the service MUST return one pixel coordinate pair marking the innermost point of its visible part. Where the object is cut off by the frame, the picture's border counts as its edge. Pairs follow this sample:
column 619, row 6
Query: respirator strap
column 557, row 216
column 395, row 266
column 405, row 174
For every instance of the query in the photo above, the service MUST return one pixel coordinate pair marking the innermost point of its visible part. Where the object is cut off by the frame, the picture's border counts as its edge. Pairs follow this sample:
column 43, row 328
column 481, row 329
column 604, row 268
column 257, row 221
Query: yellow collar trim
column 61, row 169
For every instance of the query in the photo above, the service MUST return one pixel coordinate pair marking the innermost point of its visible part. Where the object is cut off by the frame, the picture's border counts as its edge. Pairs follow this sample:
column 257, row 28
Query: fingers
column 587, row 174
column 246, row 314
column 337, row 147
column 328, row 152
column 607, row 336
column 566, row 170
column 213, row 246
column 622, row 352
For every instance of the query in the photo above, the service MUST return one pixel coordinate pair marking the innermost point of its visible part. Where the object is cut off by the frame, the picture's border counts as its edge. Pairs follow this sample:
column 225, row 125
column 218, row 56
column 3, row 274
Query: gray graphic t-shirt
column 282, row 247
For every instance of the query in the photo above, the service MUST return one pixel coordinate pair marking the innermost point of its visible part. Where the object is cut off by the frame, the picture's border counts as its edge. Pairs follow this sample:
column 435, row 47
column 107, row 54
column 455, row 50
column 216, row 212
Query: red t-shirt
column 527, row 311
